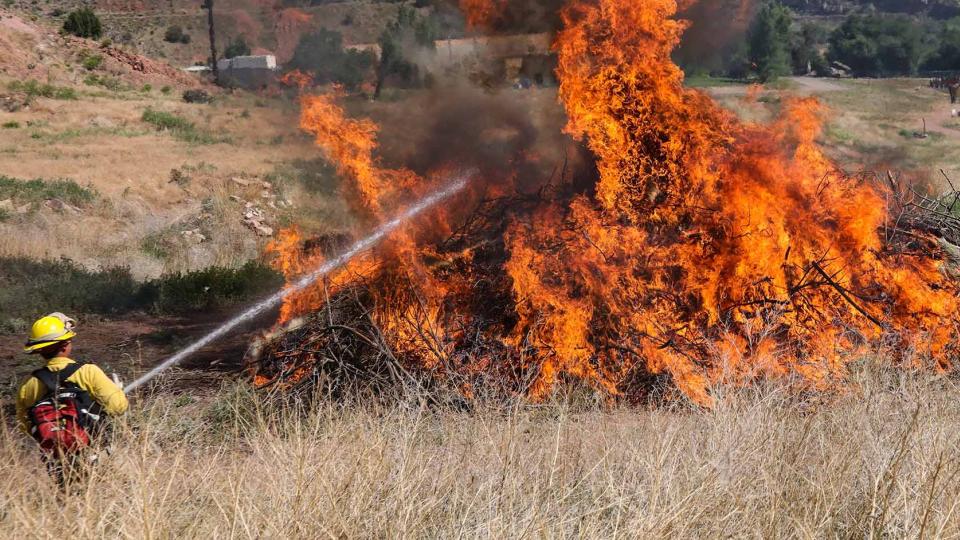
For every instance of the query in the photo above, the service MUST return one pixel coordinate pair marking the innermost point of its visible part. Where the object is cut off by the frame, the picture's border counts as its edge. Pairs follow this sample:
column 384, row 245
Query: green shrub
column 11, row 125
column 323, row 56
column 237, row 48
column 91, row 61
column 147, row 88
column 83, row 23
column 106, row 81
column 26, row 292
column 180, row 127
column 165, row 120
column 209, row 288
column 35, row 88
column 175, row 34
column 166, row 90
column 39, row 190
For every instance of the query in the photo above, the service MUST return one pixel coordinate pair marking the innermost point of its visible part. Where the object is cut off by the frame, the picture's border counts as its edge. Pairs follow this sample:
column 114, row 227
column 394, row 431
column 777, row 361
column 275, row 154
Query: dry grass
column 881, row 460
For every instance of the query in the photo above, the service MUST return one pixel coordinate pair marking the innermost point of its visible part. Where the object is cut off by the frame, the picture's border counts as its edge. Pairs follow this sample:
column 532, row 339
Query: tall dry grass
column 880, row 460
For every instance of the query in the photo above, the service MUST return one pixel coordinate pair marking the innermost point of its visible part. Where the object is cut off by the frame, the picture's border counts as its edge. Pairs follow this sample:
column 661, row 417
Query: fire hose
column 455, row 186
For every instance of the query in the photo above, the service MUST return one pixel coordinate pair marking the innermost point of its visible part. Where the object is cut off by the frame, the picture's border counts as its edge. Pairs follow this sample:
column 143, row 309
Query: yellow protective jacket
column 89, row 378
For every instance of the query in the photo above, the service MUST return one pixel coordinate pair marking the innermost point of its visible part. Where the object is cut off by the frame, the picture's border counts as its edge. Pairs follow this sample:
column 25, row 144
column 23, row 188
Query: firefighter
column 61, row 405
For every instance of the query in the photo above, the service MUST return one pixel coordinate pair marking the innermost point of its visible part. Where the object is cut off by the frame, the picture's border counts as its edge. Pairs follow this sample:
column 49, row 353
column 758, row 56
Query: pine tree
column 769, row 41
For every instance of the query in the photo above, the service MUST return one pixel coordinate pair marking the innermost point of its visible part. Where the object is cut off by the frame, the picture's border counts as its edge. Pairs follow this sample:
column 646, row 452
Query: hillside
column 268, row 27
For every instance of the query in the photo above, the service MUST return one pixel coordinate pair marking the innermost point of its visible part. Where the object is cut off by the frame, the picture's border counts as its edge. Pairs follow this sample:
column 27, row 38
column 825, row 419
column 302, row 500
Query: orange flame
column 709, row 251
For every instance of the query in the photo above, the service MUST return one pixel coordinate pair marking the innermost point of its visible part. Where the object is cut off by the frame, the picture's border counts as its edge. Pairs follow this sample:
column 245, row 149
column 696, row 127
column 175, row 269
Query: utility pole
column 208, row 5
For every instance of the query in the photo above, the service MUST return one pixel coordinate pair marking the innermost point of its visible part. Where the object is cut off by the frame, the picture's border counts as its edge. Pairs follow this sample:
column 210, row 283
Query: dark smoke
column 512, row 131
column 717, row 29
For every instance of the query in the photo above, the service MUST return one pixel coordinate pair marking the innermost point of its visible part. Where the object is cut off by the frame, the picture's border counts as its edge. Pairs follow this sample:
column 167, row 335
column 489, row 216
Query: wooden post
column 208, row 5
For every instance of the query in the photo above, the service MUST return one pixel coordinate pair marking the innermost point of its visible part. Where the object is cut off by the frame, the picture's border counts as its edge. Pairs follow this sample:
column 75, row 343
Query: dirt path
column 796, row 85
column 941, row 120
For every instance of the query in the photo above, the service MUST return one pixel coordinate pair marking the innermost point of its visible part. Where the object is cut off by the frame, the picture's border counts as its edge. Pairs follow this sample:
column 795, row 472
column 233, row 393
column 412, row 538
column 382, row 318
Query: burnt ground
column 131, row 345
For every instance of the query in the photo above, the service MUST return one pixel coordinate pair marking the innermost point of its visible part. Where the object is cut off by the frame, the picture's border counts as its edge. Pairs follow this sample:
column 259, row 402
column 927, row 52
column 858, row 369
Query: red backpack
column 62, row 419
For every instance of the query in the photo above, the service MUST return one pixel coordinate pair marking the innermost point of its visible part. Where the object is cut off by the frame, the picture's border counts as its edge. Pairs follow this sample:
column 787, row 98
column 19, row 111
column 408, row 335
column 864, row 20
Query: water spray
column 308, row 279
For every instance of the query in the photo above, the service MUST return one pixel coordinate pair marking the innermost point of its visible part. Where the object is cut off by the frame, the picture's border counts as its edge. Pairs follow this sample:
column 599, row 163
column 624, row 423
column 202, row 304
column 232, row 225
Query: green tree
column 408, row 35
column 768, row 41
column 83, row 23
column 946, row 56
column 322, row 55
column 238, row 47
column 879, row 45
column 175, row 34
column 805, row 50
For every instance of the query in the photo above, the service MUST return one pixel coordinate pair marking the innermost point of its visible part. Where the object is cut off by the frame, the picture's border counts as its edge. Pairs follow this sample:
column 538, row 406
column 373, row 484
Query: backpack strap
column 53, row 380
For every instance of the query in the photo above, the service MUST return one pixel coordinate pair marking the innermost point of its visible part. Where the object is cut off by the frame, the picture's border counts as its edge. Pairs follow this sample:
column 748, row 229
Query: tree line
column 869, row 44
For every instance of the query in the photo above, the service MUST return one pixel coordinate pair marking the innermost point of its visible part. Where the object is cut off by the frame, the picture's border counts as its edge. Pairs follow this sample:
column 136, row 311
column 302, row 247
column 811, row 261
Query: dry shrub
column 879, row 459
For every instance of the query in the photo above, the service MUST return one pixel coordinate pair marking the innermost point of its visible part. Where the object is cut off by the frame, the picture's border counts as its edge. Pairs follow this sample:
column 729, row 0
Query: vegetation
column 111, row 83
column 175, row 34
column 238, row 47
column 180, row 127
column 871, row 44
column 321, row 54
column 90, row 61
column 209, row 288
column 878, row 461
column 878, row 45
column 34, row 88
column 39, row 190
column 25, row 290
column 408, row 33
column 83, row 23
column 769, row 40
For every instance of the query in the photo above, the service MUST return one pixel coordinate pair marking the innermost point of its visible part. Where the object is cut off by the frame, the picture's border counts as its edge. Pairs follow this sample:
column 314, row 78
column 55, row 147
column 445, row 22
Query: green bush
column 83, row 23
column 35, row 88
column 322, row 55
column 180, row 127
column 209, row 288
column 879, row 45
column 237, row 48
column 768, row 41
column 175, row 34
column 91, row 61
column 113, row 84
column 165, row 120
column 31, row 288
column 39, row 190
column 11, row 125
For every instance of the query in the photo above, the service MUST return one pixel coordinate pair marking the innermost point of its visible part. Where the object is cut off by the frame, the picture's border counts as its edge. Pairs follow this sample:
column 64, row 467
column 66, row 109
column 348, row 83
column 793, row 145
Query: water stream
column 307, row 280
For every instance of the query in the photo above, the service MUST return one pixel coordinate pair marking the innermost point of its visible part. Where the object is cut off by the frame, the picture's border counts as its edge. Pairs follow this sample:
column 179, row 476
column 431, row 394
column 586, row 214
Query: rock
column 234, row 198
column 102, row 122
column 24, row 209
column 7, row 205
column 262, row 229
column 240, row 181
column 194, row 236
column 59, row 206
column 265, row 194
column 267, row 185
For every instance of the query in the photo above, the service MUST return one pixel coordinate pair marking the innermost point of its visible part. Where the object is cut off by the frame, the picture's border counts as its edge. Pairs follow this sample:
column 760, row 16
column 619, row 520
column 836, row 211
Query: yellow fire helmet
column 48, row 330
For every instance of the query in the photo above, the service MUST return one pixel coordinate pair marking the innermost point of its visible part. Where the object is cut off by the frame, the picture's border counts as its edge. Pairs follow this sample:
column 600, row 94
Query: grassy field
column 870, row 124
column 879, row 460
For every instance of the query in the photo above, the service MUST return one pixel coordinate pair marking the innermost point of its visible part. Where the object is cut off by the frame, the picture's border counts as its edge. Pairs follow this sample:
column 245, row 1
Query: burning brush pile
column 702, row 250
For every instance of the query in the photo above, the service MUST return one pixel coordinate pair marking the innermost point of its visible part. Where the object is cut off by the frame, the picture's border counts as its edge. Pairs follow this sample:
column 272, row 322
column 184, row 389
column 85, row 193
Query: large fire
column 707, row 251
